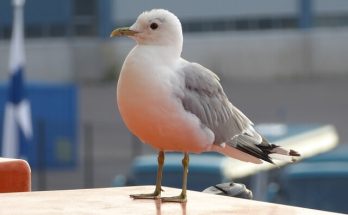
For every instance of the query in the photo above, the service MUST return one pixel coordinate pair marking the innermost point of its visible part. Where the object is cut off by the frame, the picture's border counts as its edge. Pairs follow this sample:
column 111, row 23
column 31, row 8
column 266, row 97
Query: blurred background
column 280, row 61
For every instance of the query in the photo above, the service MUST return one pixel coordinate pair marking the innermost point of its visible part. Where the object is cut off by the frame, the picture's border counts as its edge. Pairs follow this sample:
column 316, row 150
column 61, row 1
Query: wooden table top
column 117, row 201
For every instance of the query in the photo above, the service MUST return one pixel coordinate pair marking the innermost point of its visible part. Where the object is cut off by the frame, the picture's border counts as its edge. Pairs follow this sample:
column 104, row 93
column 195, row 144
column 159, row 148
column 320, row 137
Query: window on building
column 240, row 24
column 331, row 20
column 85, row 15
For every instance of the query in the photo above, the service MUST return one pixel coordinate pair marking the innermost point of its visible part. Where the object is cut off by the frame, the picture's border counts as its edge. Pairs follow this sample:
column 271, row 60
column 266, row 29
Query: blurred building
column 67, row 45
column 68, row 39
column 54, row 18
column 70, row 18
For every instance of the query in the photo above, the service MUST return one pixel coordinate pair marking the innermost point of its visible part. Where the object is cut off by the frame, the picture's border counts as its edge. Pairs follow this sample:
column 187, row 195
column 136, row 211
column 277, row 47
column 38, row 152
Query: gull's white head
column 157, row 27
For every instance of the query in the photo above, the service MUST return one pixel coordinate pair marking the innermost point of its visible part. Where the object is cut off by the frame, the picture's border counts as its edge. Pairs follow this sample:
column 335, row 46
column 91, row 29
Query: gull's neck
column 165, row 54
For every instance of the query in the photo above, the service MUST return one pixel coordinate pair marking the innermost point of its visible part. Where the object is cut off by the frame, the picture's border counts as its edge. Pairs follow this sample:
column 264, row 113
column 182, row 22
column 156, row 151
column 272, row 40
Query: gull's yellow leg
column 157, row 193
column 182, row 197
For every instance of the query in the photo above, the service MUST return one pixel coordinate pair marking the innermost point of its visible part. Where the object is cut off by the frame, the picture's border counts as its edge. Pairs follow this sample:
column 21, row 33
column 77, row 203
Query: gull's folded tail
column 246, row 148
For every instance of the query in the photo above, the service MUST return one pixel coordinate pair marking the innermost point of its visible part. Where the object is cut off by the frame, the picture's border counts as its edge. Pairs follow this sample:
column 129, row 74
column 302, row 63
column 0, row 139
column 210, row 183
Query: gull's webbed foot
column 157, row 193
column 180, row 198
column 154, row 195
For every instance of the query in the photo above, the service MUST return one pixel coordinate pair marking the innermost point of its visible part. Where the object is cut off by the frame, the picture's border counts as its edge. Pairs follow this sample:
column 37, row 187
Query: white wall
column 46, row 60
column 262, row 55
column 331, row 6
column 125, row 11
column 57, row 60
column 330, row 52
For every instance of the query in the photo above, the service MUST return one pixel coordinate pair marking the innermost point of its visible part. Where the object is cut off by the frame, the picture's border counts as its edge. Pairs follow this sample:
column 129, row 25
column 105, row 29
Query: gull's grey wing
column 204, row 97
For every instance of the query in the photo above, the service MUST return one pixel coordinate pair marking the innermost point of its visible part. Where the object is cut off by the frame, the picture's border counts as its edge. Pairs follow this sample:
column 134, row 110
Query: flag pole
column 17, row 109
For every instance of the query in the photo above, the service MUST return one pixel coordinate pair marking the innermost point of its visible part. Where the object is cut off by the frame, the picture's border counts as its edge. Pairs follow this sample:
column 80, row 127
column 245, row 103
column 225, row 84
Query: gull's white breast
column 148, row 97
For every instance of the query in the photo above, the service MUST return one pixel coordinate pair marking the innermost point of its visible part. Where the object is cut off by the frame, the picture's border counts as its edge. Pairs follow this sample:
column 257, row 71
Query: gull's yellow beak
column 122, row 32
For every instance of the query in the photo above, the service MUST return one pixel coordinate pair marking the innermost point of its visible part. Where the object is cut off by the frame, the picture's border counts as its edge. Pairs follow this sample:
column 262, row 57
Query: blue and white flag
column 17, row 119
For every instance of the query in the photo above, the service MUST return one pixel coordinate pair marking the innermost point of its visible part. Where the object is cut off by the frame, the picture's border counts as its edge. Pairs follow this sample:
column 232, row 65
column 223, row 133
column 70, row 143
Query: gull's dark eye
column 154, row 26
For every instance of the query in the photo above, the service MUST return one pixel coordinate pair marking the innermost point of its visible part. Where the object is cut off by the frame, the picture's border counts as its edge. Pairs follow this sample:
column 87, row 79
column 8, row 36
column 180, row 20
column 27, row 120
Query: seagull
column 180, row 106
